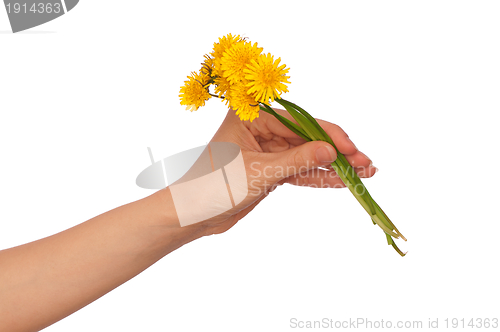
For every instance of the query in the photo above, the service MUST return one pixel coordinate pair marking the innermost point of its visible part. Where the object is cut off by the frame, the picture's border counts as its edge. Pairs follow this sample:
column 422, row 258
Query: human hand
column 273, row 156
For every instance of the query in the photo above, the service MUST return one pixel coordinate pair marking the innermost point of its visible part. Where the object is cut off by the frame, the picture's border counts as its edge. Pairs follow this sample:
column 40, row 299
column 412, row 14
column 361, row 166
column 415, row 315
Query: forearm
column 44, row 281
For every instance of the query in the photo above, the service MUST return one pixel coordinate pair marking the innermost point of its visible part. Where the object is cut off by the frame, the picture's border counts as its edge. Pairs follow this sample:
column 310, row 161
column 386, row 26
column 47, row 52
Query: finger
column 299, row 159
column 363, row 172
column 276, row 144
column 295, row 140
column 266, row 126
column 358, row 159
column 366, row 172
column 341, row 140
column 339, row 137
column 337, row 134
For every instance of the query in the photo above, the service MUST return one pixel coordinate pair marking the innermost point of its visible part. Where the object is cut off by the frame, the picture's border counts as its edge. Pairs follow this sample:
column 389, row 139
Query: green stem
column 309, row 129
column 302, row 121
column 344, row 165
column 289, row 124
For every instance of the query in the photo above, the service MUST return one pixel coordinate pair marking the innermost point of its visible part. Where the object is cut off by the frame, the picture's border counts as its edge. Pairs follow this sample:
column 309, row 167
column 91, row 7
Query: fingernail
column 325, row 154
column 376, row 169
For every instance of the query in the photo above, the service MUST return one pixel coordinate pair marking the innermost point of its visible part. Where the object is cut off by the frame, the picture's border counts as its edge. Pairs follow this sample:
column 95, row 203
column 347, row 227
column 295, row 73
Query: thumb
column 300, row 159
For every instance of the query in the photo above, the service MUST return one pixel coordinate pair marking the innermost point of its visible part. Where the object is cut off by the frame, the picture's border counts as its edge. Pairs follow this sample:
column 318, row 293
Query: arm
column 46, row 280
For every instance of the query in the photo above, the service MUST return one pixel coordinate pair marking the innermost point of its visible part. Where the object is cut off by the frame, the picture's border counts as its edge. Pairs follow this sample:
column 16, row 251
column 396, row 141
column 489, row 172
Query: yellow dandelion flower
column 236, row 59
column 207, row 66
column 223, row 44
column 194, row 93
column 222, row 87
column 266, row 78
column 245, row 105
column 219, row 48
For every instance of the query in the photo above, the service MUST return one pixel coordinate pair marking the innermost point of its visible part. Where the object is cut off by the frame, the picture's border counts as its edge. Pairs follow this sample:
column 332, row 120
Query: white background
column 414, row 84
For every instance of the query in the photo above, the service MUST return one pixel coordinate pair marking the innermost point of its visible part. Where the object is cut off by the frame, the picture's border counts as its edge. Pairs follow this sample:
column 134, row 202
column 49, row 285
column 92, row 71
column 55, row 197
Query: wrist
column 167, row 222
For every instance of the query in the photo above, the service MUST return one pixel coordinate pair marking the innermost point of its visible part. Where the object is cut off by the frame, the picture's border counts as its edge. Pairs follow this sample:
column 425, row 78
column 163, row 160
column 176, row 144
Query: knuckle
column 296, row 159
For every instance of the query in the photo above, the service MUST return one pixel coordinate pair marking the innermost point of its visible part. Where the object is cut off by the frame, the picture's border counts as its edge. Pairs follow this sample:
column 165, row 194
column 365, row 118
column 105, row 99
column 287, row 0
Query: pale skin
column 44, row 281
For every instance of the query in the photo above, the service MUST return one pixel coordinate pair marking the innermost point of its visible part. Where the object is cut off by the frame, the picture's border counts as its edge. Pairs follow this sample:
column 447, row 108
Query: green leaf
column 310, row 130
column 391, row 242
column 398, row 250
column 384, row 227
column 389, row 239
column 383, row 216
column 289, row 124
column 346, row 167
column 312, row 120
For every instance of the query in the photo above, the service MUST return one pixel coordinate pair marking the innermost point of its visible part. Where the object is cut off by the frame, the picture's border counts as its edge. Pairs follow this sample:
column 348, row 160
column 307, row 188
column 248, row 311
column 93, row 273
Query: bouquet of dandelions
column 248, row 81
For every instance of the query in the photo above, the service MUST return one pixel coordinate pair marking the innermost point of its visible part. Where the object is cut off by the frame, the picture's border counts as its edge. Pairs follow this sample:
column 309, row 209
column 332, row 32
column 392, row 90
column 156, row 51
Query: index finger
column 337, row 134
column 339, row 137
